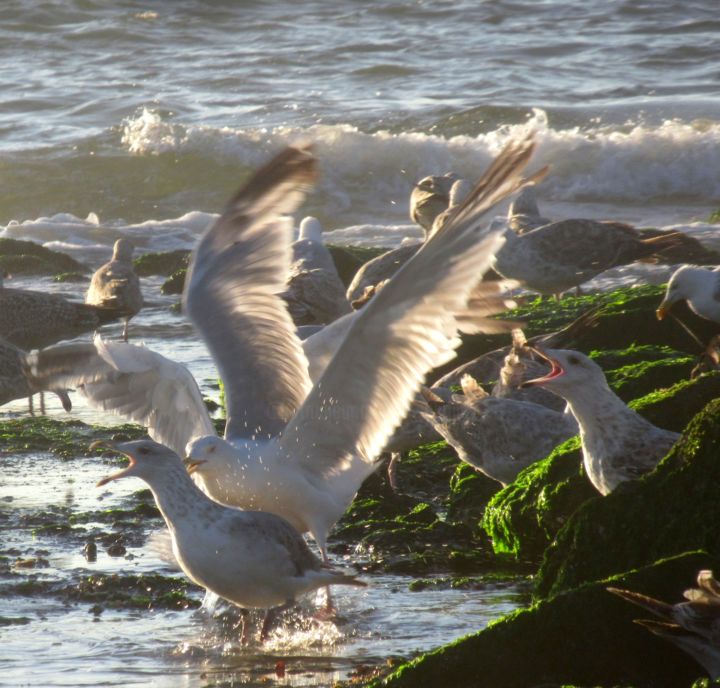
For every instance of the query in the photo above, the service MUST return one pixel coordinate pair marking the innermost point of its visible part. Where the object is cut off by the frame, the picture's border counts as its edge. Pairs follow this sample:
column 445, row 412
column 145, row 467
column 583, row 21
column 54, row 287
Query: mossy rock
column 673, row 509
column 470, row 492
column 638, row 379
column 524, row 518
column 70, row 277
column 349, row 259
column 585, row 637
column 28, row 258
column 164, row 264
column 175, row 283
column 714, row 217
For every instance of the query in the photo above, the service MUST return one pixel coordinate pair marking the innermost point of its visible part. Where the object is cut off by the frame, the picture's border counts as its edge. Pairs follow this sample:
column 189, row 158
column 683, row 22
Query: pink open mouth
column 556, row 370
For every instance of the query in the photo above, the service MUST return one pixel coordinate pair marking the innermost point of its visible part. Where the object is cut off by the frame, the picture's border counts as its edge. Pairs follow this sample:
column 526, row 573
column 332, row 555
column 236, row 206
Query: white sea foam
column 632, row 164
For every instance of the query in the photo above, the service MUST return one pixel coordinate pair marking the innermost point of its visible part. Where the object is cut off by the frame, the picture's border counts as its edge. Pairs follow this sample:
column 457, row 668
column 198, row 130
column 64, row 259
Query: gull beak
column 432, row 399
column 663, row 310
column 193, row 464
column 556, row 370
column 115, row 447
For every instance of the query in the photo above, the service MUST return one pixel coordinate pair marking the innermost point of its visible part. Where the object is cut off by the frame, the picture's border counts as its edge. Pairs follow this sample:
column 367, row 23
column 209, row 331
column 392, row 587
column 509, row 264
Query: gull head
column 684, row 283
column 206, row 454
column 569, row 370
column 430, row 197
column 123, row 250
column 147, row 459
column 525, row 202
column 310, row 228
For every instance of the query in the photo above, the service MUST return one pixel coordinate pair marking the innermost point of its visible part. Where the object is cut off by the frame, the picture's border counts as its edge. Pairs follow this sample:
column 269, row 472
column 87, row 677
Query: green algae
column 671, row 510
column 525, row 517
column 175, row 283
column 70, row 277
column 164, row 263
column 66, row 439
column 584, row 637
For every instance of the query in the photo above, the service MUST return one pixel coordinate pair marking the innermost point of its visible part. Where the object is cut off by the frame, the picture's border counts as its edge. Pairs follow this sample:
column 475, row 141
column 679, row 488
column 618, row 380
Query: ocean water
column 140, row 119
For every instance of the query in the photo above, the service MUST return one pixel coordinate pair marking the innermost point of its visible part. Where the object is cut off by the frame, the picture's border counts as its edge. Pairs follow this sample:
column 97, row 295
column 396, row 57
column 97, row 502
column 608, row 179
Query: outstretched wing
column 407, row 329
column 237, row 270
column 130, row 381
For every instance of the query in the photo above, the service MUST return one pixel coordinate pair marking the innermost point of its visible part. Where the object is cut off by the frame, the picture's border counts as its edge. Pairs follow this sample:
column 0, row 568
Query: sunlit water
column 139, row 119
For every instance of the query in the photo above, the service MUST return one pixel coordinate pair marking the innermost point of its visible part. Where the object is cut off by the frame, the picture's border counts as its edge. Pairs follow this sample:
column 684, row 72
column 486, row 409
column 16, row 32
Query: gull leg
column 244, row 635
column 328, row 610
column 392, row 470
column 42, row 403
column 31, row 408
column 270, row 618
column 125, row 330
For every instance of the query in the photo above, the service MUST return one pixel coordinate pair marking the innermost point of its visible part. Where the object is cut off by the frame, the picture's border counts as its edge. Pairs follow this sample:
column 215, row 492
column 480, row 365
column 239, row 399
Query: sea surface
column 140, row 119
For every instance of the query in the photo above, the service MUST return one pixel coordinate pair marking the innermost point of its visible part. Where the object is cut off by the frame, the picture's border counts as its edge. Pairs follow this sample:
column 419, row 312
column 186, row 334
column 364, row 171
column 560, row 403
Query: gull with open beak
column 697, row 285
column 253, row 559
column 617, row 443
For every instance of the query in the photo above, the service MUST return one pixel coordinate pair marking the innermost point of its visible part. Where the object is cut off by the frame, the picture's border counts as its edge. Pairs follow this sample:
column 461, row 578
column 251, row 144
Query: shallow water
column 140, row 119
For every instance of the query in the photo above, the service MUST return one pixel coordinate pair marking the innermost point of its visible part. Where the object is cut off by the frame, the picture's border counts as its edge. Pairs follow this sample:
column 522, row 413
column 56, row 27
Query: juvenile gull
column 617, row 443
column 524, row 214
column 115, row 286
column 697, row 285
column 692, row 625
column 556, row 257
column 497, row 436
column 430, row 197
column 291, row 447
column 253, row 559
column 314, row 292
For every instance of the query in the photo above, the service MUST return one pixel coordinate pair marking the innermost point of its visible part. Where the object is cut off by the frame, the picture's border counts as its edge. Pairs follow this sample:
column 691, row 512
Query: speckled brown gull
column 693, row 625
column 617, row 443
column 253, row 559
column 115, row 286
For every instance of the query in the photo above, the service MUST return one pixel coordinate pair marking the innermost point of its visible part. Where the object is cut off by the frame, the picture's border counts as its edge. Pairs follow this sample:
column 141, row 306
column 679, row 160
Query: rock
column 525, row 517
column 671, row 510
column 585, row 637
column 164, row 263
column 28, row 258
column 175, row 283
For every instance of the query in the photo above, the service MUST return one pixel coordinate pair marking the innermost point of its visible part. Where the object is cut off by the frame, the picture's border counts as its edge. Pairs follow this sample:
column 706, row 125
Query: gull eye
column 574, row 360
column 211, row 449
column 143, row 450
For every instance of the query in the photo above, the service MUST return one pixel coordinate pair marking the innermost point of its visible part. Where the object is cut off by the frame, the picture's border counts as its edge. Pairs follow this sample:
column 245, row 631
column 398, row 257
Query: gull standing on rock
column 115, row 286
column 250, row 558
column 617, row 443
column 293, row 448
column 697, row 285
column 497, row 436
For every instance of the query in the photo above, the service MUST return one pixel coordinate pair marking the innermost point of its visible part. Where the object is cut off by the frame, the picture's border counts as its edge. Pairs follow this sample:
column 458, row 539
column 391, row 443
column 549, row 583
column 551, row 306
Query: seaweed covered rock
column 585, row 637
column 671, row 510
column 408, row 532
column 164, row 263
column 524, row 518
column 28, row 258
column 349, row 259
column 175, row 283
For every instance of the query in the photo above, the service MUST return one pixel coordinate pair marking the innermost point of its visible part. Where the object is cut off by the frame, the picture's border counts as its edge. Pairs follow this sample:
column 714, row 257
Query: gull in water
column 430, row 197
column 292, row 447
column 314, row 292
column 562, row 255
column 699, row 286
column 692, row 625
column 14, row 384
column 36, row 318
column 253, row 559
column 618, row 444
column 115, row 286
column 497, row 436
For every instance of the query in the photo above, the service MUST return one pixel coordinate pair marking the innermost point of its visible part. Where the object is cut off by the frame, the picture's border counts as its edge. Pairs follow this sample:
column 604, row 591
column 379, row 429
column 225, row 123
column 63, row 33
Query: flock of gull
column 312, row 409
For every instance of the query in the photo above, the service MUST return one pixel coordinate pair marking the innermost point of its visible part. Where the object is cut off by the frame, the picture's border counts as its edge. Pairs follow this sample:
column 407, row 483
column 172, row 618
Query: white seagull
column 618, row 444
column 697, row 285
column 250, row 558
column 293, row 448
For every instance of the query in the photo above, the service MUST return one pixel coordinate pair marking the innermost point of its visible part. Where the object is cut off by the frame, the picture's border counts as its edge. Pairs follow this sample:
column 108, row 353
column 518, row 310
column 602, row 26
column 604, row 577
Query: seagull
column 36, row 318
column 562, row 255
column 430, row 198
column 699, row 286
column 14, row 384
column 693, row 625
column 524, row 214
column 292, row 447
column 314, row 292
column 617, row 443
column 497, row 436
column 115, row 286
column 253, row 559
